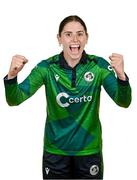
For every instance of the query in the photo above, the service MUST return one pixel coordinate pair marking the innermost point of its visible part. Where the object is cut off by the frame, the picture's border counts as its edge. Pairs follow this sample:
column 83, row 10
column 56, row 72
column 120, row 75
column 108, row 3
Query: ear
column 87, row 38
column 59, row 39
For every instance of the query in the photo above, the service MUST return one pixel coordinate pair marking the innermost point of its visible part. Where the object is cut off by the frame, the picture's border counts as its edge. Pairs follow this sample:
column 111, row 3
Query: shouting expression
column 73, row 39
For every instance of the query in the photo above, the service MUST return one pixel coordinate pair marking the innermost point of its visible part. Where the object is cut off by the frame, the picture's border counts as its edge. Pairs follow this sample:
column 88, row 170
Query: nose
column 75, row 38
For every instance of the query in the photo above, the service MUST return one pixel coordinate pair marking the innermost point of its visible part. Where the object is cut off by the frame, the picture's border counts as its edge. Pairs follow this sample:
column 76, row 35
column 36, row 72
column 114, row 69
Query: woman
column 73, row 80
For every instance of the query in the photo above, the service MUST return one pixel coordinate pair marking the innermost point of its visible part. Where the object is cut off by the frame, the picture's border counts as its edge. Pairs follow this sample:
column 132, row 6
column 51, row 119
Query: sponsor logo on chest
column 64, row 100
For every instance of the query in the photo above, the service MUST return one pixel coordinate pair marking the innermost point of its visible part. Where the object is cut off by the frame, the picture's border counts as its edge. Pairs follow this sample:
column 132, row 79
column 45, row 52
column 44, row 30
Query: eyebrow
column 72, row 32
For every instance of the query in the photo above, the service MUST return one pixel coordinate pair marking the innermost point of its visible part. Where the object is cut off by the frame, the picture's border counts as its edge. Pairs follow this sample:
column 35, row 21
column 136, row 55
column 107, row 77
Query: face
column 73, row 39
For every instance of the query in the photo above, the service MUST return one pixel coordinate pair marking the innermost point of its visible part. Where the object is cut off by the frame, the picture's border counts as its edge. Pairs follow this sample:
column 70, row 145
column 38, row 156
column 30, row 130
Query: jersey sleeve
column 118, row 90
column 17, row 93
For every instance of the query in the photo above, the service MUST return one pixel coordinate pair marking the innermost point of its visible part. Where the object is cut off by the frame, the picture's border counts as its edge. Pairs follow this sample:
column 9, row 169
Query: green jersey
column 73, row 97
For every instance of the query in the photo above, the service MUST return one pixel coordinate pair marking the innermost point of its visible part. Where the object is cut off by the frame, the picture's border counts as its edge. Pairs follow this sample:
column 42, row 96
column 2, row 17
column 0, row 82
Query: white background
column 29, row 27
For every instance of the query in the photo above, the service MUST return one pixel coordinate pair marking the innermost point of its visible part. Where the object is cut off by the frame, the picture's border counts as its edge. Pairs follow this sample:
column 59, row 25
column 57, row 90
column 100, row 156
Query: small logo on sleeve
column 110, row 68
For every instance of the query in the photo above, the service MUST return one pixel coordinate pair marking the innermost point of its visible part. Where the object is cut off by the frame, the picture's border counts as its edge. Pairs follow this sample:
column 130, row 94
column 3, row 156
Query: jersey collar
column 63, row 63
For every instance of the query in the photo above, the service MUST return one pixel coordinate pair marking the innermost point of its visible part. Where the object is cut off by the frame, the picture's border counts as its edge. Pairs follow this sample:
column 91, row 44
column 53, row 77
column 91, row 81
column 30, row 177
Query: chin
column 76, row 56
column 71, row 55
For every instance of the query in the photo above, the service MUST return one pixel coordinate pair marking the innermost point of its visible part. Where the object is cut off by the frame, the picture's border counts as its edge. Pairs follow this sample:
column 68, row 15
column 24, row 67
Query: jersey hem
column 73, row 153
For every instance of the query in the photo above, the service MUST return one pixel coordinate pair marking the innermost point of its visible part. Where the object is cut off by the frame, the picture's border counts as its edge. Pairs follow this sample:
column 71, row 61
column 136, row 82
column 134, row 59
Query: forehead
column 73, row 26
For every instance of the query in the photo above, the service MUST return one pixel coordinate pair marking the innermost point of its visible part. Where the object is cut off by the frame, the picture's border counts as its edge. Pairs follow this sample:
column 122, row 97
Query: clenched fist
column 117, row 63
column 17, row 63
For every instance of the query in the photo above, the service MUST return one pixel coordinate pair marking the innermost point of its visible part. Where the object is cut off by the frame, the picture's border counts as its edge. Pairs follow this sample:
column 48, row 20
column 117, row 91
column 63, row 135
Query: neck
column 71, row 62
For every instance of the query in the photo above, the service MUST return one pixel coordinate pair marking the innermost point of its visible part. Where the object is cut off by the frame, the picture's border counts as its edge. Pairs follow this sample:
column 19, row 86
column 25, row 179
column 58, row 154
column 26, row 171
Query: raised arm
column 17, row 64
column 118, row 86
column 18, row 93
column 117, row 63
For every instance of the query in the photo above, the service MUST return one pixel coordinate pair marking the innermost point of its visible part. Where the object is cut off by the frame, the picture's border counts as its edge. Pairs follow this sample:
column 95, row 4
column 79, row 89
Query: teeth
column 75, row 46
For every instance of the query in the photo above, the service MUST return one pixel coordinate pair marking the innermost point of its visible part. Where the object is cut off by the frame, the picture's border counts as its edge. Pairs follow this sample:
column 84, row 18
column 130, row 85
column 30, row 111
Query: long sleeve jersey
column 73, row 98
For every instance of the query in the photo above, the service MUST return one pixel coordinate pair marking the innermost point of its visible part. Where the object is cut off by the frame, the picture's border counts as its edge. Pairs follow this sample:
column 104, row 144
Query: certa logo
column 64, row 100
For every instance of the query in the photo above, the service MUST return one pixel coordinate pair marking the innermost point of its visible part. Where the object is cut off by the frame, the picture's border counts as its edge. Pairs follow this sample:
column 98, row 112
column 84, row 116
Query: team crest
column 94, row 169
column 88, row 76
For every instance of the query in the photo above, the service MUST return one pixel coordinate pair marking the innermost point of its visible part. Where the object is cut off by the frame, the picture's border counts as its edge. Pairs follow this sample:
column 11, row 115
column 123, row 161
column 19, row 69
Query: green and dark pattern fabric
column 73, row 98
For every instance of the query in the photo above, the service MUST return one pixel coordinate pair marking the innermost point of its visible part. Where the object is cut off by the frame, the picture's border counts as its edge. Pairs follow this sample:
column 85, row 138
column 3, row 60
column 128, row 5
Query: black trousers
column 72, row 167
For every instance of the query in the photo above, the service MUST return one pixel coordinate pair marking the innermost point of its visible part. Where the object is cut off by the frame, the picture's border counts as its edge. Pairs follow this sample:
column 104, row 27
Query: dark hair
column 70, row 19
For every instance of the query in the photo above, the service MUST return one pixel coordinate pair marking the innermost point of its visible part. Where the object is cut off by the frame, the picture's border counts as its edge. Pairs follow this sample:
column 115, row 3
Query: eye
column 68, row 34
column 80, row 34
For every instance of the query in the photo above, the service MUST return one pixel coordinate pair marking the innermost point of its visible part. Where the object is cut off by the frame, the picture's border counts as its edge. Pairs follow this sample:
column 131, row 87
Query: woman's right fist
column 17, row 63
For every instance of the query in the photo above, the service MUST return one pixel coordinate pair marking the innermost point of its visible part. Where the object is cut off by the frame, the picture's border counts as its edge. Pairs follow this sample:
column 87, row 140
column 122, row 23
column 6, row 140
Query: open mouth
column 74, row 48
